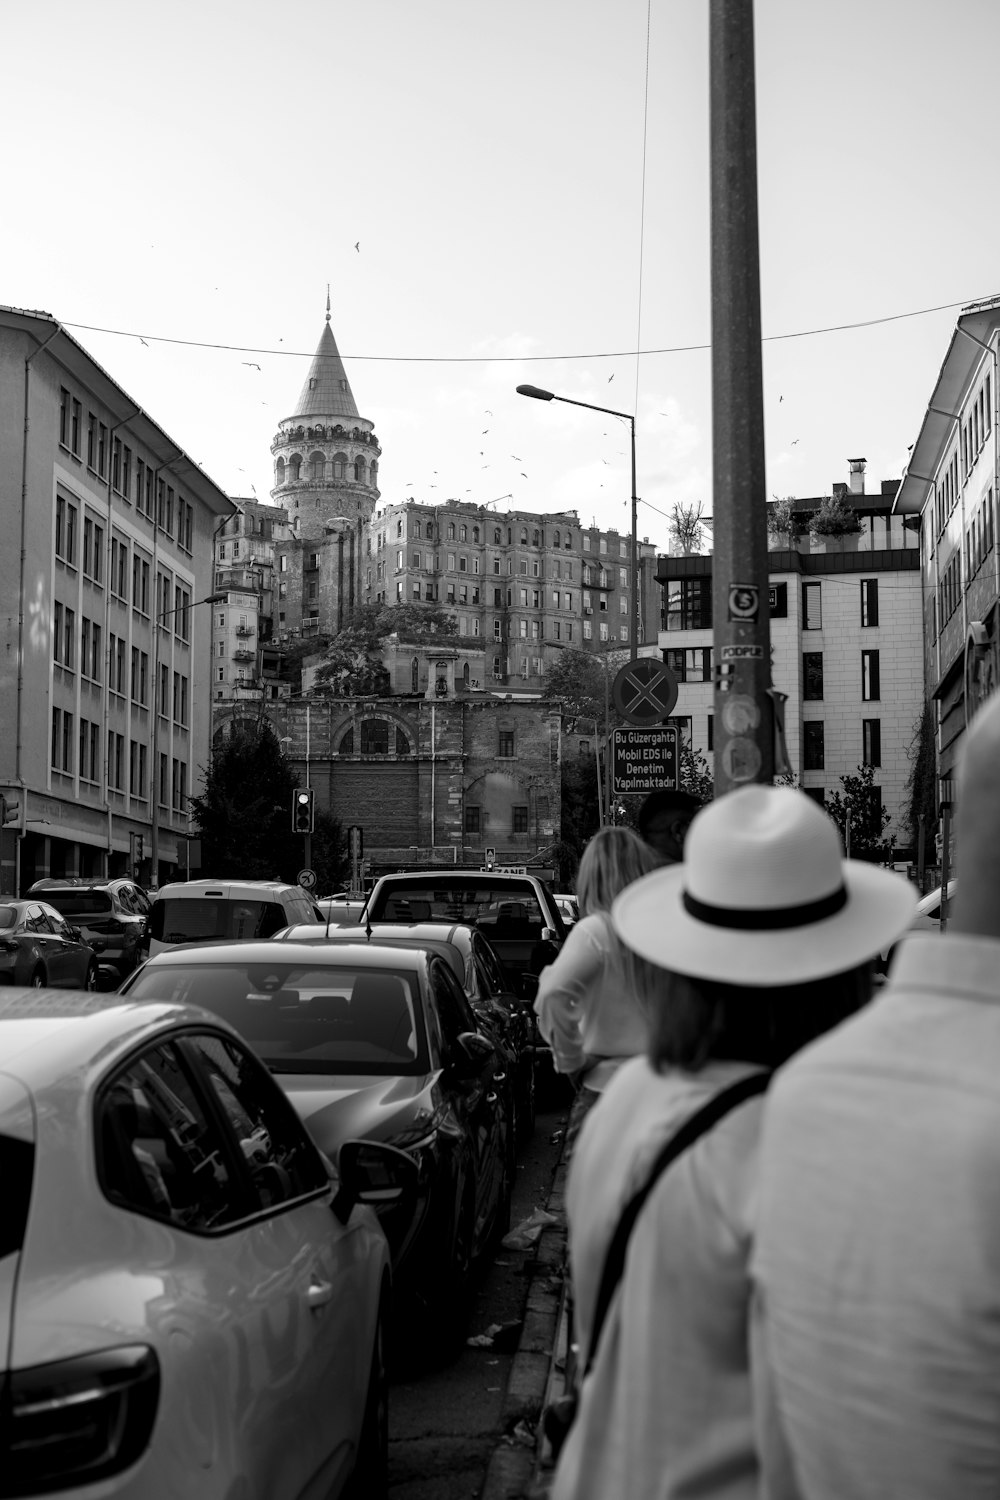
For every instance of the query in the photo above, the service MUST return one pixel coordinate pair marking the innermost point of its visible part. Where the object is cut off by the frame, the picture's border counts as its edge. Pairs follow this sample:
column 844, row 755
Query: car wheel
column 38, row 979
column 370, row 1480
column 92, row 977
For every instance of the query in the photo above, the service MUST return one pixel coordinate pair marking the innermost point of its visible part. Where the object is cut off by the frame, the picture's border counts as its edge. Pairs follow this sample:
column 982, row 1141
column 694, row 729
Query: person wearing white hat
column 876, row 1328
column 767, row 935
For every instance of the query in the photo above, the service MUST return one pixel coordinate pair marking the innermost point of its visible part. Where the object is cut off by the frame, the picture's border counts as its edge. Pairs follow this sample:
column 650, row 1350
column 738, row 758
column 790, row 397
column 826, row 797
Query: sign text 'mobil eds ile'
column 644, row 760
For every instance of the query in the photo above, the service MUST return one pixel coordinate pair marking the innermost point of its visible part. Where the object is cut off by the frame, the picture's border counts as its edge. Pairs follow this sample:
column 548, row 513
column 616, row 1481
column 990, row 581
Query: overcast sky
column 198, row 172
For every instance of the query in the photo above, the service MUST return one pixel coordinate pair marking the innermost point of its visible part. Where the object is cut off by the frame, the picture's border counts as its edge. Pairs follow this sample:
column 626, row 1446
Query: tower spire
column 328, row 302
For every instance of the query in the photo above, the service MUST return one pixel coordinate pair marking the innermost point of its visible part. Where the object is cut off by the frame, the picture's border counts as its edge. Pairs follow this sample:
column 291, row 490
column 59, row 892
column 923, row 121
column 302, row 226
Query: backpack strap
column 698, row 1125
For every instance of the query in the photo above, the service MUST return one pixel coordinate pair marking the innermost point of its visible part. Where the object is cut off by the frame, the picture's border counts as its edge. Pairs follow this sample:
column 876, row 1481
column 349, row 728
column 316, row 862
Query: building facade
column 950, row 491
column 846, row 644
column 102, row 689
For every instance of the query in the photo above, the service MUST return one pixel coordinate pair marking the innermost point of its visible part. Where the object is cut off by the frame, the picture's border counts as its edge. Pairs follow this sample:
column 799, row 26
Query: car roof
column 51, row 1035
column 455, row 875
column 76, row 883
column 226, row 885
column 266, row 950
column 442, row 938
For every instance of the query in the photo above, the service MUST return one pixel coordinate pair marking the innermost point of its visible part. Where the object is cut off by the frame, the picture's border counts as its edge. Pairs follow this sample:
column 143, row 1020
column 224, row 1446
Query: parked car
column 39, row 947
column 111, row 915
column 188, row 911
column 340, row 911
column 926, row 918
column 490, row 989
column 186, row 1282
column 568, row 906
column 380, row 1043
column 515, row 913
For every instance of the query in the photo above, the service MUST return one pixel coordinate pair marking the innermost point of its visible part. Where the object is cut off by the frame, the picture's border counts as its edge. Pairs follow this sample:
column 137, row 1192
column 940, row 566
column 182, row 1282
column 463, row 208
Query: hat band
column 762, row 917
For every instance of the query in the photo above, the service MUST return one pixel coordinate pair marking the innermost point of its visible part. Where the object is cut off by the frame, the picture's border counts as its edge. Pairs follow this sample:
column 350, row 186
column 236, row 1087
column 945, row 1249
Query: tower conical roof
column 327, row 391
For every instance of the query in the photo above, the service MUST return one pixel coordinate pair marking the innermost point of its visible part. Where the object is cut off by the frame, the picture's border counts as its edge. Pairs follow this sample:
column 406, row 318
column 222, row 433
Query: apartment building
column 104, row 694
column 247, row 588
column 846, row 644
column 949, row 490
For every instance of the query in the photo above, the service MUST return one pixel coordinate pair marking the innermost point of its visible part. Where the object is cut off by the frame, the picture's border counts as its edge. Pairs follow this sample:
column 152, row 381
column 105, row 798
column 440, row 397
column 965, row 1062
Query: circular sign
column 645, row 691
column 744, row 601
column 306, row 879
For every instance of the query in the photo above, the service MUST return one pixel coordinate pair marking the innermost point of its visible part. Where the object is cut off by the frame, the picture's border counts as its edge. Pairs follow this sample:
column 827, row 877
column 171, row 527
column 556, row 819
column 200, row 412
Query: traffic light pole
column 744, row 711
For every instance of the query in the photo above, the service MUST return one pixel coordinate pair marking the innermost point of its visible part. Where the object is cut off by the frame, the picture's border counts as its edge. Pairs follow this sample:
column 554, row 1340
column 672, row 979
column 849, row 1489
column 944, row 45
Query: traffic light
column 303, row 809
column 491, row 858
column 10, row 812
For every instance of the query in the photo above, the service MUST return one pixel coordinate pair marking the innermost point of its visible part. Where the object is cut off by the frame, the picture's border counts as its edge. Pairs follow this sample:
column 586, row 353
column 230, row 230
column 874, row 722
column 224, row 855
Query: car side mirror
column 74, row 933
column 371, row 1172
column 549, row 935
column 469, row 1055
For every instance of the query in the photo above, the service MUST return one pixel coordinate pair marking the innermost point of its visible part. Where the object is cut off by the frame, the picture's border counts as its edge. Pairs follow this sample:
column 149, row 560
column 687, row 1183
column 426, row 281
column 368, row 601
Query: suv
column 111, row 915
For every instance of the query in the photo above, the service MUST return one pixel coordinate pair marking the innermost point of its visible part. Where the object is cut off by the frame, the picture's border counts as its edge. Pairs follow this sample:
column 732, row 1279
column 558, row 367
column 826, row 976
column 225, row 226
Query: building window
column 519, row 823
column 817, row 793
column 812, row 675
column 711, row 733
column 374, row 737
column 871, row 737
column 812, row 606
column 66, row 517
column 604, row 631
column 689, row 604
column 505, row 747
column 812, row 745
column 870, row 690
column 473, row 820
column 869, row 601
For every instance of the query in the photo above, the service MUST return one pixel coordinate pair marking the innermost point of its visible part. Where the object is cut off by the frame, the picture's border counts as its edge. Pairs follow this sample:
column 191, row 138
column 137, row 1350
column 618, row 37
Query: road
column 445, row 1422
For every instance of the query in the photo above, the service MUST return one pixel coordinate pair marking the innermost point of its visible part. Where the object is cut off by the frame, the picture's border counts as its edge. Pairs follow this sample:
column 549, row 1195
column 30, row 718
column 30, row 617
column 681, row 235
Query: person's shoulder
column 594, row 928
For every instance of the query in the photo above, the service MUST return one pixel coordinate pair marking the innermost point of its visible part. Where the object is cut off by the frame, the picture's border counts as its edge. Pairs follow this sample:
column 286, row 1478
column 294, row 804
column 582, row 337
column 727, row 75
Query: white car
column 192, row 1300
column 926, row 918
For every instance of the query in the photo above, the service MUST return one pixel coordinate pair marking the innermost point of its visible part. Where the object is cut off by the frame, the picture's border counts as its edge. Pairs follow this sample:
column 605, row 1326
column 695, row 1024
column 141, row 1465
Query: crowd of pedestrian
column 783, row 1202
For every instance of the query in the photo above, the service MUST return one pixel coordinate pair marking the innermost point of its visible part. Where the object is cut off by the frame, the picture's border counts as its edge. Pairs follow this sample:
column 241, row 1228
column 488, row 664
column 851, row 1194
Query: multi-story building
column 951, row 485
column 243, row 617
column 846, row 645
column 103, row 692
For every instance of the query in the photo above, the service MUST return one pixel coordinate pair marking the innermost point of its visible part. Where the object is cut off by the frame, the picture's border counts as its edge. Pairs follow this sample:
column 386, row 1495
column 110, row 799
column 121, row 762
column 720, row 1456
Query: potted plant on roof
column 783, row 524
column 832, row 520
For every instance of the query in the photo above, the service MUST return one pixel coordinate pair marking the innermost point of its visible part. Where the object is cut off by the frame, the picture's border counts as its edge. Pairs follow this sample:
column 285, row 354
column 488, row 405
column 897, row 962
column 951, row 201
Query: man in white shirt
column 876, row 1336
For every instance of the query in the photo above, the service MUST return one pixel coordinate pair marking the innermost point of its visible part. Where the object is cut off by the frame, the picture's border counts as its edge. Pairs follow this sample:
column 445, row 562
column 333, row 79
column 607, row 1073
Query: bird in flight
column 523, row 474
column 484, row 432
column 611, row 377
column 357, row 246
column 141, row 339
column 250, row 364
column 517, row 458
column 794, row 441
column 488, row 413
column 781, row 398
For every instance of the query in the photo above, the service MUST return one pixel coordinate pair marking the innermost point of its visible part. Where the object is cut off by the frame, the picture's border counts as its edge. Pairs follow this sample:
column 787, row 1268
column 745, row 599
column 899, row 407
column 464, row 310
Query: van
column 200, row 911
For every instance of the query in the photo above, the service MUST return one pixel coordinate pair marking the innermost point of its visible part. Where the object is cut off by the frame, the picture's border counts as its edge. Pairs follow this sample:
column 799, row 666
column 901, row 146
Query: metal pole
column 744, row 728
column 607, row 745
column 634, row 577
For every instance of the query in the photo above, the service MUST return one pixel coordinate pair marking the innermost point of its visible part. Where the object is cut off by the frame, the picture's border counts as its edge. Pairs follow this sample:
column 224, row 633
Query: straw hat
column 763, row 896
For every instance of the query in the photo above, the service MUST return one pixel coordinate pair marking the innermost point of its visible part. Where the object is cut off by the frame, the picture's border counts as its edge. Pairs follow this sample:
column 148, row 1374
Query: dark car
column 39, row 948
column 379, row 1043
column 517, row 914
column 494, row 996
column 112, row 916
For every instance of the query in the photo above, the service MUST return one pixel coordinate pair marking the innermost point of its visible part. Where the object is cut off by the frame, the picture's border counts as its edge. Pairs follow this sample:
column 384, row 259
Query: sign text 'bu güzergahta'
column 643, row 760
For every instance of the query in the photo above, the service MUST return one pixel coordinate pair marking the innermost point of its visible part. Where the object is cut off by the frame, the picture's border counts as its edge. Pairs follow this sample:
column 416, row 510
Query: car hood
column 334, row 1109
column 17, row 1124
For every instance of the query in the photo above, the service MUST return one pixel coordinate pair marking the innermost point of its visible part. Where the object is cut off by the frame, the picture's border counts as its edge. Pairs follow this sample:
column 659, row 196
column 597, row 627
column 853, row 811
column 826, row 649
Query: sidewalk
column 520, row 1468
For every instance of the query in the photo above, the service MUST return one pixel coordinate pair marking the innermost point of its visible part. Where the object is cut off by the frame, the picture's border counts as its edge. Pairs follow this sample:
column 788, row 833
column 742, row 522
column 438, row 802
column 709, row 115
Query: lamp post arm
column 608, row 410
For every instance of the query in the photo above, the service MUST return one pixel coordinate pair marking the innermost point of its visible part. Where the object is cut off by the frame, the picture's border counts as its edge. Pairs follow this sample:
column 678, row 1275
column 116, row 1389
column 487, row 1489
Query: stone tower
column 326, row 477
column 326, row 455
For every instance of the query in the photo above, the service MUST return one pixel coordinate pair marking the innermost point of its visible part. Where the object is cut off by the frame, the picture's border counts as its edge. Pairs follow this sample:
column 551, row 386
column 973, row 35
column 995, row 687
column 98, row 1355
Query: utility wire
column 513, row 359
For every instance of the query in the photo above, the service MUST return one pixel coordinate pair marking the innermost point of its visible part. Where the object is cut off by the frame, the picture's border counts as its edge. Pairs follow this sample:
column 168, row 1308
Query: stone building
column 845, row 641
column 103, row 696
column 243, row 616
column 431, row 781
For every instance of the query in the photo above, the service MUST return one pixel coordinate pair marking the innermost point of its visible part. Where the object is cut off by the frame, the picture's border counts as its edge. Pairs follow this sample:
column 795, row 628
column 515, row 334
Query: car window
column 452, row 1005
column 494, row 978
column 503, row 909
column 80, row 903
column 8, row 917
column 126, row 900
column 57, row 924
column 304, row 1017
column 140, row 900
column 160, row 1153
column 36, row 920
column 282, row 1160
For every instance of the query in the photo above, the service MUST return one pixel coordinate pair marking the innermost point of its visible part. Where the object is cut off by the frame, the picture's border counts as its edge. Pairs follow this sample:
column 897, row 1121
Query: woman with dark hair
column 766, row 935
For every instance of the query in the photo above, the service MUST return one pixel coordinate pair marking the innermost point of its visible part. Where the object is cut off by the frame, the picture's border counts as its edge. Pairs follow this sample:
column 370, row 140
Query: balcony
column 242, row 654
column 244, row 630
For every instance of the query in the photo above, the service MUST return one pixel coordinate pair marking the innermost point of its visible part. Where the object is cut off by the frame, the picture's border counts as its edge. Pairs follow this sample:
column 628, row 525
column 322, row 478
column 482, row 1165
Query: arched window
column 399, row 528
column 338, row 431
column 462, row 533
column 451, row 531
column 430, row 531
column 294, row 466
column 347, row 743
column 339, row 465
column 555, row 540
column 465, row 675
column 279, row 471
column 416, row 528
column 359, row 469
column 475, row 533
column 496, row 536
column 374, row 737
column 373, row 472
column 510, row 535
column 414, row 676
column 524, row 536
column 402, row 743
column 316, row 464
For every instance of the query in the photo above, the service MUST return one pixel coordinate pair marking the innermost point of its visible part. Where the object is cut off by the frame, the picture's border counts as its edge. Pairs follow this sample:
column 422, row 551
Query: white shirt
column 877, row 1327
column 666, row 1411
column 586, row 1005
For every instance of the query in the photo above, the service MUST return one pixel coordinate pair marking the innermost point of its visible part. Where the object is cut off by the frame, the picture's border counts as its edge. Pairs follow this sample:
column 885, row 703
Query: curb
column 517, row 1469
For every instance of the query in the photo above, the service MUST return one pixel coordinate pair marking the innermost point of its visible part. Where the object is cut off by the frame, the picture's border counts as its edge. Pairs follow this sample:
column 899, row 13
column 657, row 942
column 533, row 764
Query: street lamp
column 154, row 770
column 537, row 394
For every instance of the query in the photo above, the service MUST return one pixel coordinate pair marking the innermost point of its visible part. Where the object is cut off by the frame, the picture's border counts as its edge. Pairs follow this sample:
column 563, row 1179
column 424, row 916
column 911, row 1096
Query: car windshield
column 78, row 903
column 190, row 919
column 304, row 1017
column 8, row 917
column 507, row 910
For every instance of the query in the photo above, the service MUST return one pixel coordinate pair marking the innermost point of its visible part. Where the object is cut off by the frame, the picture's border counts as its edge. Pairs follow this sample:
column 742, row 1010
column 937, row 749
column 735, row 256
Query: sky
column 499, row 194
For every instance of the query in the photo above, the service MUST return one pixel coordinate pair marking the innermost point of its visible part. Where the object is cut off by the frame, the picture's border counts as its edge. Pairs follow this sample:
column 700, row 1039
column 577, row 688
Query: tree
column 354, row 668
column 860, row 800
column 686, row 532
column 694, row 774
column 922, row 780
column 244, row 817
column 834, row 516
column 576, row 679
